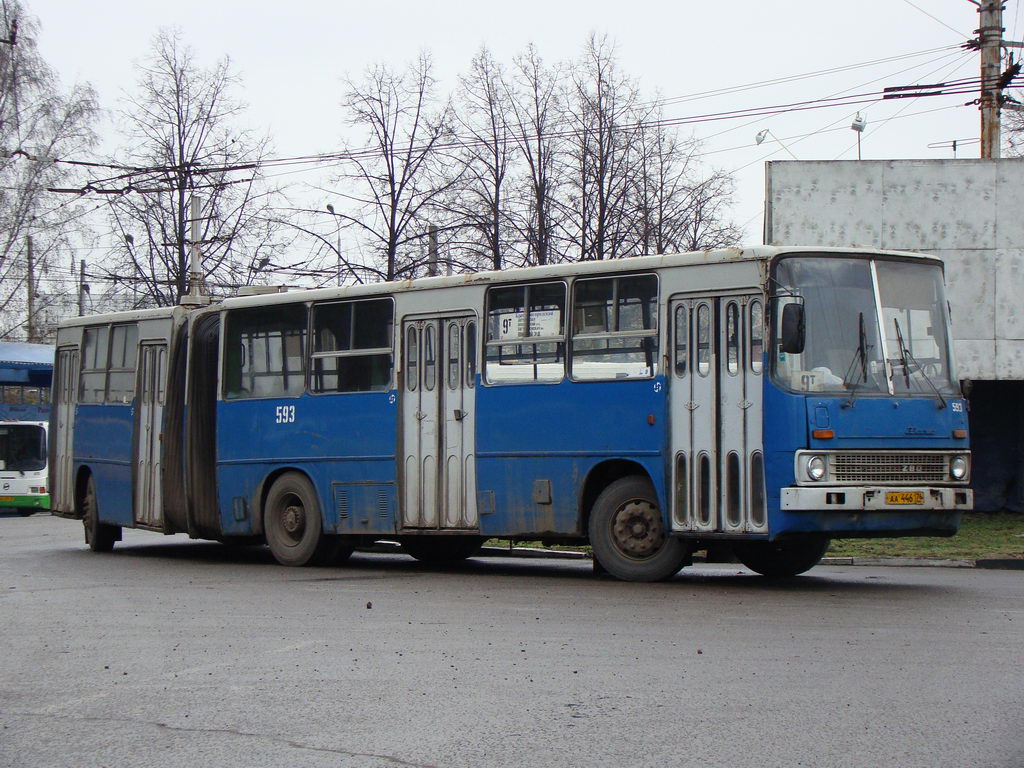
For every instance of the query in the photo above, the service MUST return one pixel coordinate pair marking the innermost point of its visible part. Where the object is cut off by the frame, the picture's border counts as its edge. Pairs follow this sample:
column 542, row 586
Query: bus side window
column 93, row 379
column 615, row 328
column 352, row 343
column 265, row 352
column 123, row 351
column 525, row 333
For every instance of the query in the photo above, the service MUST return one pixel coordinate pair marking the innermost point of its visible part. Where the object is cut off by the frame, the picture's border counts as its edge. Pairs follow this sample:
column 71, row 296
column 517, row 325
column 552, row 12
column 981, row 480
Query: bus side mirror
column 793, row 329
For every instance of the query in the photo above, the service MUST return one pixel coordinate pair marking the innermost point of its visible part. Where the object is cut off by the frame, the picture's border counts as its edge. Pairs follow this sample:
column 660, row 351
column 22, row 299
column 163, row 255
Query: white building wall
column 969, row 213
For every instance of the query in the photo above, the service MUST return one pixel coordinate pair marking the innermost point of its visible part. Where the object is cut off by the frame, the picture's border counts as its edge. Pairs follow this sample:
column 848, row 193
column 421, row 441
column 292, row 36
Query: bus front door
column 149, row 435
column 715, row 395
column 63, row 498
column 438, row 404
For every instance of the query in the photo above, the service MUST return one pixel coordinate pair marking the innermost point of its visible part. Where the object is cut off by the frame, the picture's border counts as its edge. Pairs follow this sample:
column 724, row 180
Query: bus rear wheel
column 778, row 559
column 441, row 549
column 628, row 535
column 292, row 523
column 99, row 536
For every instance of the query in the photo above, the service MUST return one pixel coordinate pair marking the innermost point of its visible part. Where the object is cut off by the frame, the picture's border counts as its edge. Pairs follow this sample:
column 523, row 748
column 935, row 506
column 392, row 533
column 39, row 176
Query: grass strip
column 982, row 535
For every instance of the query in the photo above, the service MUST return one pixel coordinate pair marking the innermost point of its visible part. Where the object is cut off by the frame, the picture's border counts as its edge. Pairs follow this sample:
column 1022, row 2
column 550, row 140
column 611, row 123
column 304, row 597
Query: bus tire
column 778, row 559
column 292, row 523
column 628, row 535
column 441, row 549
column 99, row 536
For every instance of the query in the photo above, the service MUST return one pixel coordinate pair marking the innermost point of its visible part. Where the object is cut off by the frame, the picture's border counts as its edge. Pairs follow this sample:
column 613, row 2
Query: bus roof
column 23, row 355
column 571, row 269
column 121, row 317
column 551, row 271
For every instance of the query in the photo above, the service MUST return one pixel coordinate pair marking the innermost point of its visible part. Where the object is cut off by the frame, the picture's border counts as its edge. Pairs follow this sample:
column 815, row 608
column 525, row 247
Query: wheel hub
column 637, row 529
column 293, row 518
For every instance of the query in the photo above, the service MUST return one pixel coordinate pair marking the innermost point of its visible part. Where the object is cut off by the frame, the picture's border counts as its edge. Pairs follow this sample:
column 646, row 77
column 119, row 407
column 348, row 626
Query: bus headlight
column 958, row 467
column 816, row 467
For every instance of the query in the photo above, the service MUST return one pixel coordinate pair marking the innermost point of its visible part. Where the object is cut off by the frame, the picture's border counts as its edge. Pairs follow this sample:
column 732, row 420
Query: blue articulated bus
column 26, row 373
column 757, row 402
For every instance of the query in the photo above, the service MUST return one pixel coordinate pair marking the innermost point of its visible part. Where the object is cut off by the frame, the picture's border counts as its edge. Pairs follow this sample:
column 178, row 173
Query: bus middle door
column 439, row 473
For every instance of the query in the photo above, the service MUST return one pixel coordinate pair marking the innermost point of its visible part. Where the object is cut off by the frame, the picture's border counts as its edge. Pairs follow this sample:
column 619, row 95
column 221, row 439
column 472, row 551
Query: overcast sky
column 293, row 55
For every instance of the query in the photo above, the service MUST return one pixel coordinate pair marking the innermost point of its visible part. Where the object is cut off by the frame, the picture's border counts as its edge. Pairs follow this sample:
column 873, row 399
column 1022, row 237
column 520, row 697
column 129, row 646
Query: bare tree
column 181, row 124
column 41, row 127
column 536, row 107
column 396, row 178
column 603, row 114
column 478, row 199
column 701, row 222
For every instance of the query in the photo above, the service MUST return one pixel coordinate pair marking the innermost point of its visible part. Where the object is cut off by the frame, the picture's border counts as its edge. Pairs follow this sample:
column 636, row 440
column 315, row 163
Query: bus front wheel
column 99, row 536
column 628, row 535
column 778, row 559
column 292, row 523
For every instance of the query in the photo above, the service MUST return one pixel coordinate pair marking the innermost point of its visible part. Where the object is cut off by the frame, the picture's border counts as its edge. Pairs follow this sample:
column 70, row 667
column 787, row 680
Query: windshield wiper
column 860, row 355
column 905, row 356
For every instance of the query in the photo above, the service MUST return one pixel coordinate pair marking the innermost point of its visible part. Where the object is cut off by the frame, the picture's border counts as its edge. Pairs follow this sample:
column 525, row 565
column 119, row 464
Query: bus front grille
column 882, row 467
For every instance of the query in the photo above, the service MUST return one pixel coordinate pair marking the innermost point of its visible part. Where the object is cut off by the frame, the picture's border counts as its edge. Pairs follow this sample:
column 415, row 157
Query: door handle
column 459, row 414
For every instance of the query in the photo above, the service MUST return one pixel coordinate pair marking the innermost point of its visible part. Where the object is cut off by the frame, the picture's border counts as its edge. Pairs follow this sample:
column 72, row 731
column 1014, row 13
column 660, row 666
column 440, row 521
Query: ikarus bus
column 754, row 403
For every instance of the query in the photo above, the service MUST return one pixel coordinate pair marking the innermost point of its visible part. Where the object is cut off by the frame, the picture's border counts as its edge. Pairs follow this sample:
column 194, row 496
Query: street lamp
column 330, row 210
column 858, row 125
column 765, row 133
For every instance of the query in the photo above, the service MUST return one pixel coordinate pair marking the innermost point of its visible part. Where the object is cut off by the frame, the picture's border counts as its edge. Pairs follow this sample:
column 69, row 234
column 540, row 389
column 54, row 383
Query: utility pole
column 431, row 250
column 30, row 280
column 82, row 288
column 195, row 295
column 989, row 42
column 990, row 38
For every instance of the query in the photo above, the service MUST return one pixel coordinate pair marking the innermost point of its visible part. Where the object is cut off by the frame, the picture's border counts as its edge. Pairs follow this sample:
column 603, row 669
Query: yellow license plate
column 904, row 497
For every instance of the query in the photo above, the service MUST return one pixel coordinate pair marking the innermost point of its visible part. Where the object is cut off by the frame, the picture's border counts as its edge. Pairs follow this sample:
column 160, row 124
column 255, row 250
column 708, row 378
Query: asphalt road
column 170, row 652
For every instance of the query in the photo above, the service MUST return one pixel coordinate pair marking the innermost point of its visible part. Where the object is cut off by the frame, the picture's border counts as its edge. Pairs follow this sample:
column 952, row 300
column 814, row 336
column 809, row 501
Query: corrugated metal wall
column 970, row 213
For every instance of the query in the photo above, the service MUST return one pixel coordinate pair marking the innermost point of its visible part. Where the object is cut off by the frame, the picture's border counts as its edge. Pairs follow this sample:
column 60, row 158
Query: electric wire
column 934, row 18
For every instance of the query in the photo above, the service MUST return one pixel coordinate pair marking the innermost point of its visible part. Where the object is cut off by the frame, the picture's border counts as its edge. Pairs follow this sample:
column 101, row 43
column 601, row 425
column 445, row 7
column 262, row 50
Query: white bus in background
column 23, row 467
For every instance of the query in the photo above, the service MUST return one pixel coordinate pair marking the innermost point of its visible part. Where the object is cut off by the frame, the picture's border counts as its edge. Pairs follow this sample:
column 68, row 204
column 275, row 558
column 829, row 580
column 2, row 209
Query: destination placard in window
column 543, row 322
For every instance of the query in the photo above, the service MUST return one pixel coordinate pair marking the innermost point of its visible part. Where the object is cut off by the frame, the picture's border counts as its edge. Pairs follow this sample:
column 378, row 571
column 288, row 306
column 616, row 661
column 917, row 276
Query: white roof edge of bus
column 120, row 317
column 631, row 264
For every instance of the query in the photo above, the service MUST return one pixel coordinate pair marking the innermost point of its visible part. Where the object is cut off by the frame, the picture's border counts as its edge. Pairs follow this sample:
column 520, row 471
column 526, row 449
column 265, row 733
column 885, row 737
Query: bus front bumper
column 876, row 498
column 25, row 502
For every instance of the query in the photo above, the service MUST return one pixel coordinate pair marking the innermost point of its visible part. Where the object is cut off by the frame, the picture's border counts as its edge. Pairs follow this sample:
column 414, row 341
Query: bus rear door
column 66, row 385
column 149, row 431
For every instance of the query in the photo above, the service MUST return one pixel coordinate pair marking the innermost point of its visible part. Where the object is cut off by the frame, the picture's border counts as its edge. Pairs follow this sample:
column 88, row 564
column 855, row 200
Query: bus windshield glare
column 846, row 303
column 22, row 447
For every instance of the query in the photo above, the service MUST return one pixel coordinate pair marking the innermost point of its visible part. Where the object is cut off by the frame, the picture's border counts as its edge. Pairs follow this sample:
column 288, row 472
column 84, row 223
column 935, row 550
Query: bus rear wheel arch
column 292, row 523
column 629, row 536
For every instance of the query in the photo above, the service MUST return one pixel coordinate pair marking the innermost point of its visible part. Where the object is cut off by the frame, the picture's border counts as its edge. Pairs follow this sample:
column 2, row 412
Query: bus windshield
column 22, row 447
column 871, row 326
